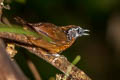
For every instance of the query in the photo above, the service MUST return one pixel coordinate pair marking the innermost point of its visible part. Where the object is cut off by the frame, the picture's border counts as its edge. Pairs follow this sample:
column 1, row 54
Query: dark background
column 100, row 52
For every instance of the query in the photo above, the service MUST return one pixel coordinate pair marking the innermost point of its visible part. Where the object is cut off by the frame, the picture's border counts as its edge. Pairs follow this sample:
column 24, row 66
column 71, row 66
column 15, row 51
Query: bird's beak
column 85, row 32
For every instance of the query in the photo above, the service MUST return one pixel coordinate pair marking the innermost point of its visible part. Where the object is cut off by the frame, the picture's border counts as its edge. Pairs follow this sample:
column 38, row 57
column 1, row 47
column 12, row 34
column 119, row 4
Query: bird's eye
column 80, row 31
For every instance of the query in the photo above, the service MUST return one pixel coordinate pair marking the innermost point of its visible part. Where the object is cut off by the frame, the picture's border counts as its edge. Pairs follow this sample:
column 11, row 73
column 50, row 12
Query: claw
column 56, row 55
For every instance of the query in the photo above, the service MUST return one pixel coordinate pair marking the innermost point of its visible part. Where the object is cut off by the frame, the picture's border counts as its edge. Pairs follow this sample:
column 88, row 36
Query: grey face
column 76, row 32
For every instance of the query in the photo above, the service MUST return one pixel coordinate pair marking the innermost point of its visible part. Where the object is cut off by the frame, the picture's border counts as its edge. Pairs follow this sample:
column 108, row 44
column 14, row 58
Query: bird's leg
column 57, row 57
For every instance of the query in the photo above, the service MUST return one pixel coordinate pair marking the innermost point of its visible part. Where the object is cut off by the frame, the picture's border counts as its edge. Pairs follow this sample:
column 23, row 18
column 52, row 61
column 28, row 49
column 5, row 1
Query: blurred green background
column 100, row 52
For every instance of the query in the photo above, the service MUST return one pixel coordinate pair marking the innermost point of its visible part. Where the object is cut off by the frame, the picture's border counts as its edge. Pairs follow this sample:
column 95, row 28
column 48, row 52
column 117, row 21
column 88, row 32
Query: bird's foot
column 57, row 57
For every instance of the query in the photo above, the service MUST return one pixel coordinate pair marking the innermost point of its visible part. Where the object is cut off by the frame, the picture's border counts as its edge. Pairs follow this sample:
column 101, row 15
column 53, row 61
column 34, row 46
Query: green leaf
column 19, row 30
column 76, row 60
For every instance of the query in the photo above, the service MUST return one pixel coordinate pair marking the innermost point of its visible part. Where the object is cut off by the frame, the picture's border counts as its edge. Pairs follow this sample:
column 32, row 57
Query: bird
column 62, row 36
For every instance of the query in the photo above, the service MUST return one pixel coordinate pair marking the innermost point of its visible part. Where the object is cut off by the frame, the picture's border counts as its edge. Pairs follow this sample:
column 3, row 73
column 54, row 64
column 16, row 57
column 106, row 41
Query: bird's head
column 76, row 31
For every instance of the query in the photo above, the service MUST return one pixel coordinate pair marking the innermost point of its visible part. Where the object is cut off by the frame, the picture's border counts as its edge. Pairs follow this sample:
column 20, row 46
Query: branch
column 60, row 63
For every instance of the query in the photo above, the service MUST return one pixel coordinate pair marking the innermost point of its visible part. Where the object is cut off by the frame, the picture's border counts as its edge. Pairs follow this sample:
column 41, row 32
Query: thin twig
column 33, row 69
column 1, row 7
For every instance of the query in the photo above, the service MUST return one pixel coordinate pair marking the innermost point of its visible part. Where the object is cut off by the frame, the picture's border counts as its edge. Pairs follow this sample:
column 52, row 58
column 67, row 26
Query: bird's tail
column 20, row 20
